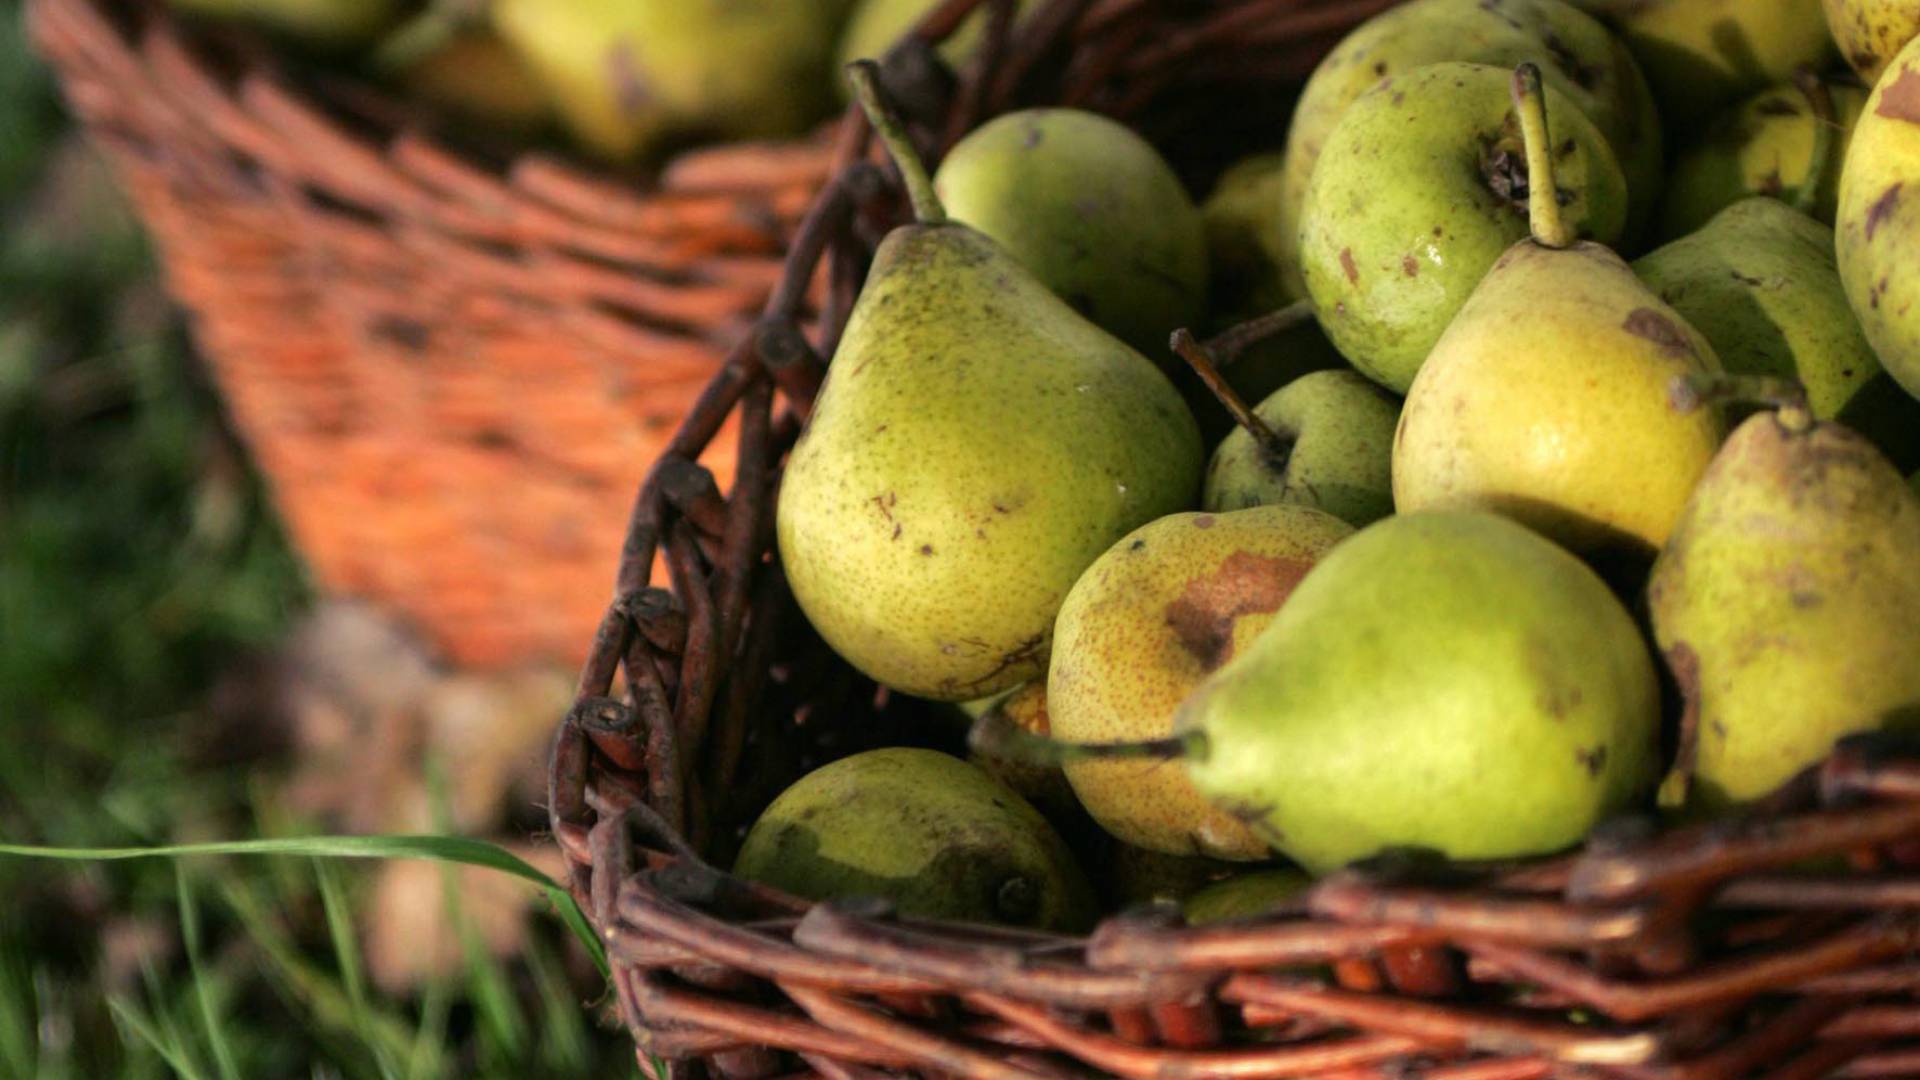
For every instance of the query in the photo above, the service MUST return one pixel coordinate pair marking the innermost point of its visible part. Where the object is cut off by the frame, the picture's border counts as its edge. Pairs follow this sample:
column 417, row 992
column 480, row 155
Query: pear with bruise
column 1871, row 32
column 1788, row 604
column 1150, row 619
column 1878, row 231
column 1702, row 54
column 1764, row 146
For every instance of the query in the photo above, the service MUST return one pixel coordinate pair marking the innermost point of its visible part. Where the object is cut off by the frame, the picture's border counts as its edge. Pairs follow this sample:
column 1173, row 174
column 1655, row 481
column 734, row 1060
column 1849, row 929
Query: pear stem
column 1826, row 123
column 1200, row 358
column 1550, row 229
column 865, row 77
column 1786, row 397
column 1228, row 344
column 995, row 735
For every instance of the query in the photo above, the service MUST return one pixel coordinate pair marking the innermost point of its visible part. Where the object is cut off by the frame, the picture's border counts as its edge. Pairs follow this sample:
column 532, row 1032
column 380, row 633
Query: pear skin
column 1244, row 896
column 1547, row 400
column 1093, row 210
column 1871, row 33
column 1788, row 604
column 1879, row 224
column 1336, row 454
column 1703, row 54
column 1441, row 680
column 1764, row 146
column 1577, row 55
column 931, row 833
column 1416, row 194
column 1166, row 606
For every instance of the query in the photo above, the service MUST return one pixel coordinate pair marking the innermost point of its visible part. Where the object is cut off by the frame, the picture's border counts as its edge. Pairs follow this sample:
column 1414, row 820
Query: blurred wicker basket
column 446, row 362
column 1780, row 945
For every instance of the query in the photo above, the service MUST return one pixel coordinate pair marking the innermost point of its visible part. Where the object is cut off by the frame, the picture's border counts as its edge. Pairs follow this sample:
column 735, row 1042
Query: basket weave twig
column 1689, row 953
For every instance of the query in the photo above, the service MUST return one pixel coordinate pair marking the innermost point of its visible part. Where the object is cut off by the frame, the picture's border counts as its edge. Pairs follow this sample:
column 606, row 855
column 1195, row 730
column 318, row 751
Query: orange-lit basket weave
column 1784, row 944
column 446, row 365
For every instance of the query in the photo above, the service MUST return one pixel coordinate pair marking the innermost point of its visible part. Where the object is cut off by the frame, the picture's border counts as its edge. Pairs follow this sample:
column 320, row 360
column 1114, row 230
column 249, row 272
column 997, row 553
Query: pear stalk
column 1550, row 227
column 865, row 77
column 1228, row 344
column 996, row 735
column 1825, row 123
column 1786, row 397
column 1200, row 358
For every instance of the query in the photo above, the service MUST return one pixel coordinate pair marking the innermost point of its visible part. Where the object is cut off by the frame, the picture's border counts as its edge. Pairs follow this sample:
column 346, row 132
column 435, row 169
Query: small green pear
column 325, row 24
column 929, row 832
column 1703, row 54
column 1167, row 605
column 975, row 446
column 1092, row 210
column 876, row 24
column 476, row 77
column 1325, row 441
column 1878, row 229
column 1417, row 192
column 1547, row 398
column 631, row 76
column 1577, row 55
column 1244, row 896
column 1763, row 146
column 1788, row 603
column 1871, row 32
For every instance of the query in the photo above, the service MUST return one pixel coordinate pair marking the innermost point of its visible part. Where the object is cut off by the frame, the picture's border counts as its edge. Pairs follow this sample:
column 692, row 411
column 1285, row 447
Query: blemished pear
column 1760, row 284
column 629, row 77
column 1787, row 603
column 1703, row 54
column 1416, row 194
column 1870, row 33
column 1878, row 229
column 929, row 832
column 1577, row 55
column 1547, row 398
column 1446, row 680
column 1167, row 605
column 1092, row 210
column 1763, row 146
column 1244, row 896
column 976, row 445
column 1331, row 448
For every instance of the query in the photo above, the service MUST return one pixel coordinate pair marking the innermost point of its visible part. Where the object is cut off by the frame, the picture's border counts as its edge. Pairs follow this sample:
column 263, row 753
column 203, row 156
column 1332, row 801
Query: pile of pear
column 1560, row 371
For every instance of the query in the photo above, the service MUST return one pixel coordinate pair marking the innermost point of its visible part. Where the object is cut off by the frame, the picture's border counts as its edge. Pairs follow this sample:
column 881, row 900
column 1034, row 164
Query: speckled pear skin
column 1244, row 896
column 1093, row 210
column 1449, row 681
column 977, row 444
column 1340, row 459
column 1870, row 33
column 1169, row 604
column 1548, row 401
column 629, row 76
column 1762, row 146
column 1761, row 285
column 1878, row 231
column 1402, row 218
column 931, row 833
column 1788, row 604
column 1577, row 56
column 1699, row 55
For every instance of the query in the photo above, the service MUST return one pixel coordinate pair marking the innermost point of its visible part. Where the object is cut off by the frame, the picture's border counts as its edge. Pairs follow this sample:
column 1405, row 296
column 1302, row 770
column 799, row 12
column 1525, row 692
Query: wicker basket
column 1689, row 953
column 446, row 361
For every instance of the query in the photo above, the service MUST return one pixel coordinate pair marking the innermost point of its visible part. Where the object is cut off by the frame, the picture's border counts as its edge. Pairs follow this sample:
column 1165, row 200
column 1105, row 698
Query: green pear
column 1763, row 146
column 1788, row 603
column 1092, row 210
column 1167, row 605
column 478, row 78
column 929, row 832
column 1879, row 224
column 975, row 446
column 629, row 77
column 1325, row 441
column 1244, row 896
column 1245, row 249
column 1578, row 57
column 877, row 24
column 1703, row 54
column 1417, row 192
column 1871, row 32
column 1761, row 285
column 1547, row 398
column 326, row 24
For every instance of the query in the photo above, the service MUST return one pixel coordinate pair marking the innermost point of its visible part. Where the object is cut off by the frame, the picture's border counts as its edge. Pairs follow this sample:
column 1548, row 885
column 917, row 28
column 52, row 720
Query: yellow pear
column 1547, row 397
column 1879, row 223
column 1871, row 32
column 1702, row 54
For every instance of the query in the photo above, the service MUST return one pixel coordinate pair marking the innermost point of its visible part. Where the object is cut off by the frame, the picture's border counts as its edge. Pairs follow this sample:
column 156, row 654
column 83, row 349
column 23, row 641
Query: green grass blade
column 423, row 1062
column 502, row 1030
column 19, row 1054
column 564, row 1047
column 133, row 1022
column 346, row 955
column 210, row 1025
